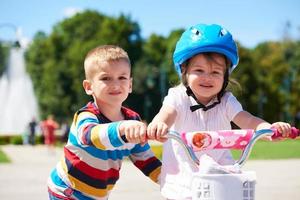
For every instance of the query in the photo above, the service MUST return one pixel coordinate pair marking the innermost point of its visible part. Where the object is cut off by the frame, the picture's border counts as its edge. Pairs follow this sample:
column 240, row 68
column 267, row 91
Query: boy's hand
column 283, row 128
column 134, row 131
column 157, row 131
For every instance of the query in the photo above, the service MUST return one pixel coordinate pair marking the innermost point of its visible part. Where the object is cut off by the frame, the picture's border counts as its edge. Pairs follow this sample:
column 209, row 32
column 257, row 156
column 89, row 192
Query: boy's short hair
column 104, row 53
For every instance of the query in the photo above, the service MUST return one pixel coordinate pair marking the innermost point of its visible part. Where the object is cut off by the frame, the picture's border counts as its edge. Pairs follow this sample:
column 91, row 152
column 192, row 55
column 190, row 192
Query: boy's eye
column 123, row 78
column 104, row 78
column 216, row 72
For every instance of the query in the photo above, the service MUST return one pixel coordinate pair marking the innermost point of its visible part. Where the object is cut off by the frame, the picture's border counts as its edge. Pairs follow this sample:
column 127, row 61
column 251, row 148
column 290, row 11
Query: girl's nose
column 206, row 75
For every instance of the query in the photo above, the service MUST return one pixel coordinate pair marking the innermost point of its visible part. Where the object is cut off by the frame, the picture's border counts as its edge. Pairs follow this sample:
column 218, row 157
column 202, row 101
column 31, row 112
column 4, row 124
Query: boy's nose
column 115, row 83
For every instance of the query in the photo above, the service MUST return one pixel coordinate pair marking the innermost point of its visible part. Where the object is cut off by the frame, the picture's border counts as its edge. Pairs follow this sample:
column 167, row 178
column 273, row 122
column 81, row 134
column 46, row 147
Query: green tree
column 3, row 57
column 154, row 73
column 147, row 84
column 271, row 68
column 55, row 62
column 245, row 75
column 268, row 74
column 168, row 64
column 291, row 78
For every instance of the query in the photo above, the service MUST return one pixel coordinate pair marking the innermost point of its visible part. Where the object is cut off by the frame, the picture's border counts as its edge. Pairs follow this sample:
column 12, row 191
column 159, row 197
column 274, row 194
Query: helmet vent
column 222, row 32
column 195, row 31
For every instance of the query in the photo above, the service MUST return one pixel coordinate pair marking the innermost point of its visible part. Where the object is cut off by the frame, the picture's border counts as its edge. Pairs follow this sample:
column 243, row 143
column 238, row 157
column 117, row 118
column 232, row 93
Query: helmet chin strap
column 199, row 105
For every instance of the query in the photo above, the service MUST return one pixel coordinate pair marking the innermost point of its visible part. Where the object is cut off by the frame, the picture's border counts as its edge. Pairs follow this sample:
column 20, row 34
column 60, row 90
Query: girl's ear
column 87, row 87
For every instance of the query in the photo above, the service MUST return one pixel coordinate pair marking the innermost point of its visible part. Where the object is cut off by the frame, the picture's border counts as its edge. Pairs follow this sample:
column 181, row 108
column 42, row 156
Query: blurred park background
column 41, row 74
column 268, row 72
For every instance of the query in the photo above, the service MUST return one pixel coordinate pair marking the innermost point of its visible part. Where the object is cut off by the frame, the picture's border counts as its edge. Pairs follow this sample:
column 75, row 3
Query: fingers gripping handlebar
column 294, row 133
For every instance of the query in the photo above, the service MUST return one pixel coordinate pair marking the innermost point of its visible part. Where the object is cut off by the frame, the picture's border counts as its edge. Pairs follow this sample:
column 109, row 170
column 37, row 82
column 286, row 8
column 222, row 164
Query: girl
column 204, row 57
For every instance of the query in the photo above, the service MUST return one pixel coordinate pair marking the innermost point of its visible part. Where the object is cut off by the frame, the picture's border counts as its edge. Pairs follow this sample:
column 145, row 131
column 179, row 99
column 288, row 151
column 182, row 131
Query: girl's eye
column 199, row 70
column 123, row 78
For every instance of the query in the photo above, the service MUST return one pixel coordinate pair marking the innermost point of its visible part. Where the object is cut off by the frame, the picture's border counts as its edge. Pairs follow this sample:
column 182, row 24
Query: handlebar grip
column 294, row 133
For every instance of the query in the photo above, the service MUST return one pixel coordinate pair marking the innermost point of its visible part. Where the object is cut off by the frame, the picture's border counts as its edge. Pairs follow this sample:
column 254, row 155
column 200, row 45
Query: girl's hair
column 105, row 53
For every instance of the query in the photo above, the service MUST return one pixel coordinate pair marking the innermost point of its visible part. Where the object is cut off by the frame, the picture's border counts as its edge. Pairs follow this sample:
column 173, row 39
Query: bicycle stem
column 188, row 150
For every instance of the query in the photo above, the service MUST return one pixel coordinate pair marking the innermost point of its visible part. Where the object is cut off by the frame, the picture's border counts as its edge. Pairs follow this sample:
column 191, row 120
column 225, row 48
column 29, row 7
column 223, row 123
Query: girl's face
column 205, row 75
column 110, row 83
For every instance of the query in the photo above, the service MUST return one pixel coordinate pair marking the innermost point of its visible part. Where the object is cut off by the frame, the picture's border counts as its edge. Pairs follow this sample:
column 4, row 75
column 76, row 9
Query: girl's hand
column 157, row 131
column 283, row 128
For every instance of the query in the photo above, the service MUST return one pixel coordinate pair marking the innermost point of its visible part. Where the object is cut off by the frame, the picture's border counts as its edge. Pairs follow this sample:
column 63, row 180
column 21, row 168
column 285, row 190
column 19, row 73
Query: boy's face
column 205, row 75
column 110, row 83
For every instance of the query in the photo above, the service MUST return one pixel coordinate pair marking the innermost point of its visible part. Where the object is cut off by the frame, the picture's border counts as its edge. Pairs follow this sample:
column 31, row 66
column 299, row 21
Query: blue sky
column 250, row 21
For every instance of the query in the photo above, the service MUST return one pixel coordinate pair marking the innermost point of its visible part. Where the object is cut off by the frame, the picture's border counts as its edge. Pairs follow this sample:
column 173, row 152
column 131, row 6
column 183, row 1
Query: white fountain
column 18, row 103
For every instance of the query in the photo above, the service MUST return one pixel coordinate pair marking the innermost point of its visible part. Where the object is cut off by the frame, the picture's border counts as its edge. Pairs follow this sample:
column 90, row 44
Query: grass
column 262, row 150
column 3, row 157
column 274, row 150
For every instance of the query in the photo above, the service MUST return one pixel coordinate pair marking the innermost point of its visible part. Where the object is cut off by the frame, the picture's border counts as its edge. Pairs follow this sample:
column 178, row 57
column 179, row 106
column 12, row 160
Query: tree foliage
column 268, row 74
column 55, row 62
column 3, row 57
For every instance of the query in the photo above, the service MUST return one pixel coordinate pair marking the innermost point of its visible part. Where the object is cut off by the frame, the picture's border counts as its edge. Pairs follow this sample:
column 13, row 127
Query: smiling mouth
column 115, row 93
column 206, row 86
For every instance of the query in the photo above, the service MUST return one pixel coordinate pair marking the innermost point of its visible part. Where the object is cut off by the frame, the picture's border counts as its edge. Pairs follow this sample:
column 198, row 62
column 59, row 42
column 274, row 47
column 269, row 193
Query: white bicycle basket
column 224, row 186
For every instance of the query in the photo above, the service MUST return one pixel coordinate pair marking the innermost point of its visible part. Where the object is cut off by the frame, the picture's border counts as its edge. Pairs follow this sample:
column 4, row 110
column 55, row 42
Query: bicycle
column 232, row 183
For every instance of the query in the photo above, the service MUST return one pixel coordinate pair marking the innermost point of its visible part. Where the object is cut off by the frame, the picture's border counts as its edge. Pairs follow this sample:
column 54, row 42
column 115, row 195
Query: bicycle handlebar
column 250, row 136
column 294, row 133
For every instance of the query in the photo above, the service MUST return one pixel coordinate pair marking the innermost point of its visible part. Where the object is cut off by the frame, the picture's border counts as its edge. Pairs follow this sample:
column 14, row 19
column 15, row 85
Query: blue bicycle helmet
column 205, row 38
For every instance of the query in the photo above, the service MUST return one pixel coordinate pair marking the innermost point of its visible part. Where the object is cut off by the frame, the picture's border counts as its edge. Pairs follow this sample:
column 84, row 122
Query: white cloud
column 70, row 11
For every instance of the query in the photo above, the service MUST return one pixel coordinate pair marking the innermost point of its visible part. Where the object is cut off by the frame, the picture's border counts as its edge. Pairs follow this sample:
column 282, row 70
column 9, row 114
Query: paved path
column 25, row 177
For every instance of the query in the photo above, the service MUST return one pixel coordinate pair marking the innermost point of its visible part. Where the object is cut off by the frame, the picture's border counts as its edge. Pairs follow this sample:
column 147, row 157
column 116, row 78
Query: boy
column 103, row 132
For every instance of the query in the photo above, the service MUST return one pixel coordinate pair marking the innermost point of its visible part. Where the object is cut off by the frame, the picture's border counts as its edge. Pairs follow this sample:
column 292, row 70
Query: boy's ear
column 87, row 87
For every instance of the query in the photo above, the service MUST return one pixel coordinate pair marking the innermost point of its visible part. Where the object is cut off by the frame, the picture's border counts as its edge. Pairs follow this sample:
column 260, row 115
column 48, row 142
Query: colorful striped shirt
column 93, row 156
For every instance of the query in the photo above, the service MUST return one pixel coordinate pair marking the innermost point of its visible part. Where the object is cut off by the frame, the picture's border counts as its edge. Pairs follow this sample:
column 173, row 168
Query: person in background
column 103, row 132
column 32, row 130
column 48, row 127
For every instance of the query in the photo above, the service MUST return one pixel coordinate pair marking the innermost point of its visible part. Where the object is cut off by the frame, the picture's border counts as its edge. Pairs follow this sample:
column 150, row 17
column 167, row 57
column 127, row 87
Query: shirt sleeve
column 102, row 136
column 175, row 99
column 144, row 159
column 233, row 106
